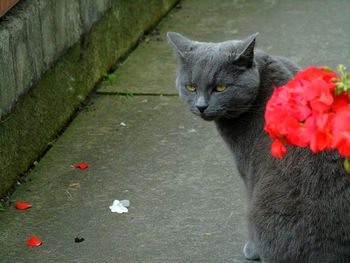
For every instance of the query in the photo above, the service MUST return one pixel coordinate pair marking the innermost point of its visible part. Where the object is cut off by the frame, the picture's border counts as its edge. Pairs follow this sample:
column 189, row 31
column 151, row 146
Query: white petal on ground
column 125, row 203
column 118, row 207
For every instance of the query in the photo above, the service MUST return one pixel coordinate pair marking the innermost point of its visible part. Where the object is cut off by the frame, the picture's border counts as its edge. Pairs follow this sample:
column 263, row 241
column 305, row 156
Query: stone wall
column 52, row 53
column 34, row 34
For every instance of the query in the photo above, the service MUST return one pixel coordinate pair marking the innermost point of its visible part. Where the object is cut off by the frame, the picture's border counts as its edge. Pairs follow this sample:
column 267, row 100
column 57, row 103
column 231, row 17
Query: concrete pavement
column 187, row 203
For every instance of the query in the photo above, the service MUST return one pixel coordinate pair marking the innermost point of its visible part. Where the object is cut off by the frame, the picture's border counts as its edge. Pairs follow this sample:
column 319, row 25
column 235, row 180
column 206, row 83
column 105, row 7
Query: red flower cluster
column 305, row 112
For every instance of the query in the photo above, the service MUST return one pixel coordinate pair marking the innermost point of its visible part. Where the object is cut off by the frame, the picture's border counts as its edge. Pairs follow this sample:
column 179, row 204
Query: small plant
column 2, row 208
column 342, row 85
column 129, row 93
column 109, row 76
column 126, row 93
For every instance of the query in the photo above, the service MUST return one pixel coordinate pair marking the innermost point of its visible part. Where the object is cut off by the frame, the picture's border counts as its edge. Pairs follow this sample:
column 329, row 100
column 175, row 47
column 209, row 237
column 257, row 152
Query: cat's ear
column 246, row 57
column 181, row 44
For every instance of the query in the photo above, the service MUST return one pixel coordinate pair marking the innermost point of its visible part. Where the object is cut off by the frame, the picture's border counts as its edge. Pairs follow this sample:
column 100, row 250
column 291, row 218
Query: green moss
column 40, row 114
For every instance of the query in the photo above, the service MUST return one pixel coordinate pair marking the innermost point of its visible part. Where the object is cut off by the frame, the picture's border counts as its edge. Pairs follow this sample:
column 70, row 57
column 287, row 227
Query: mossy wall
column 44, row 110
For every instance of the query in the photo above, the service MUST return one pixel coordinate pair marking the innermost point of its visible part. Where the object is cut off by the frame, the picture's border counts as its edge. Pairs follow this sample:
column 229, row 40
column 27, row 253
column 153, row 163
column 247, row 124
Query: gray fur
column 250, row 251
column 299, row 207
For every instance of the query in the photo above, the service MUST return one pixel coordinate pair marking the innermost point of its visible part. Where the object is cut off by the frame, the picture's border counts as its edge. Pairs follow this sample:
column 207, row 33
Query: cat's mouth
column 207, row 117
column 211, row 117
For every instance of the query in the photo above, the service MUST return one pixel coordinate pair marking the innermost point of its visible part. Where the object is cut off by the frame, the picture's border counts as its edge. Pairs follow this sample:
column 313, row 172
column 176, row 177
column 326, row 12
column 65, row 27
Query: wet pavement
column 187, row 203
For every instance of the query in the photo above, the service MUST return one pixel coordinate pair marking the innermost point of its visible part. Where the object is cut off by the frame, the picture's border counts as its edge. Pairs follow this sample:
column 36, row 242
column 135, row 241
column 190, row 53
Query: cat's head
column 217, row 80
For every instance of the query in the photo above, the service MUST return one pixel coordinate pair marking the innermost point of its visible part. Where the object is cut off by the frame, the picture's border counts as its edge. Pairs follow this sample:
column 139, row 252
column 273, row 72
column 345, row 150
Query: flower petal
column 22, row 206
column 81, row 166
column 278, row 149
column 34, row 241
column 118, row 207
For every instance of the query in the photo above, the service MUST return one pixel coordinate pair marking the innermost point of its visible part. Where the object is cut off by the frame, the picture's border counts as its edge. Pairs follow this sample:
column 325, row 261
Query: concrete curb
column 34, row 34
column 40, row 114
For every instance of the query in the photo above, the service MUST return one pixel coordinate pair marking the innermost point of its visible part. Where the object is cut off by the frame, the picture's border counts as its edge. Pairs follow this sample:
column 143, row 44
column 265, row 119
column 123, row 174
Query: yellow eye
column 220, row 88
column 190, row 88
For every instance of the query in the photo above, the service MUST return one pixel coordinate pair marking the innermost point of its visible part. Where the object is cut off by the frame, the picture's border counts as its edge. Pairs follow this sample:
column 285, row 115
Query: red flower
column 319, row 93
column 321, row 137
column 275, row 125
column 305, row 112
column 278, row 149
column 300, row 108
column 341, row 102
column 312, row 73
column 341, row 132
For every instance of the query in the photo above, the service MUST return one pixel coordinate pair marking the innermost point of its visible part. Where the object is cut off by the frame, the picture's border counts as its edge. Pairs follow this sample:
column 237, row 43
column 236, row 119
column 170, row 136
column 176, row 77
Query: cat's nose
column 202, row 108
column 201, row 103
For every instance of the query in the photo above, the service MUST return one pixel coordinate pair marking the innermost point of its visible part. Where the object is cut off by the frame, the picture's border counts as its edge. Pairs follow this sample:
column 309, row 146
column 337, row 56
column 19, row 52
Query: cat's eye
column 190, row 88
column 220, row 88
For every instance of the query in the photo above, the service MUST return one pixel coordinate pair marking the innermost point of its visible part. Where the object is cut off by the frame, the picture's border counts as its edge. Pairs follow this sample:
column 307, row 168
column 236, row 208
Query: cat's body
column 299, row 207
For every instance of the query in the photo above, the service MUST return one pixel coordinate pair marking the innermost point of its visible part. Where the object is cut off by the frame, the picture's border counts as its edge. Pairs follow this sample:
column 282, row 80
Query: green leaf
column 341, row 68
column 335, row 80
column 347, row 164
column 2, row 208
column 111, row 76
column 340, row 85
column 327, row 69
column 337, row 91
column 128, row 93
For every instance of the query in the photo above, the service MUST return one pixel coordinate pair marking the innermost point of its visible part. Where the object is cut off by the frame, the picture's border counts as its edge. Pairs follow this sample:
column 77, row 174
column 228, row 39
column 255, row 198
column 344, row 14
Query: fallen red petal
column 34, row 241
column 81, row 166
column 22, row 206
column 278, row 149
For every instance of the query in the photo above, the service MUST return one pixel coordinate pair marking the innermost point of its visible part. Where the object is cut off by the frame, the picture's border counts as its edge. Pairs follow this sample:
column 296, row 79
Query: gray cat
column 299, row 206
